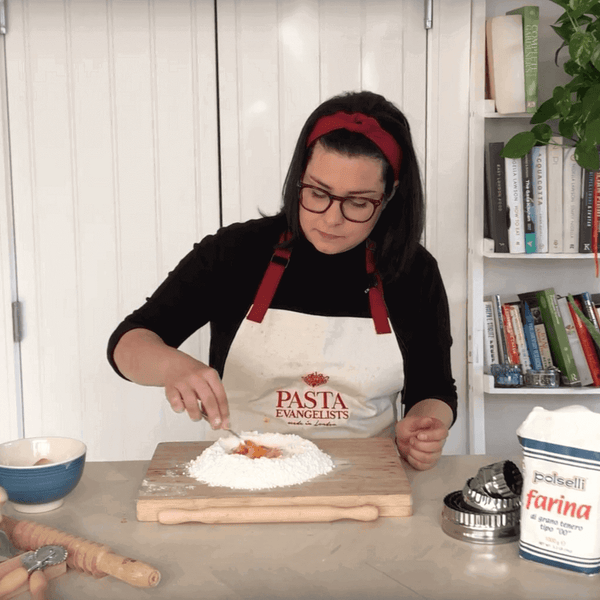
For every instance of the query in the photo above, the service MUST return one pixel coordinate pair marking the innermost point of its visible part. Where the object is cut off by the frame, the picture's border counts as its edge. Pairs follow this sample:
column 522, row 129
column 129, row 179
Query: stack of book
column 542, row 203
column 512, row 60
column 543, row 330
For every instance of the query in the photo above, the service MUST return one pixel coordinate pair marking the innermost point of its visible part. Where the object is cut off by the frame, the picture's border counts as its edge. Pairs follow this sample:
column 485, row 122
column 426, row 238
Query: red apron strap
column 270, row 281
column 274, row 272
column 379, row 312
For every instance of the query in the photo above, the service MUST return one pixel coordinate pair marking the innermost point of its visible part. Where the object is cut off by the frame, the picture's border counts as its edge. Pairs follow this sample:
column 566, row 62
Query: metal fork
column 203, row 413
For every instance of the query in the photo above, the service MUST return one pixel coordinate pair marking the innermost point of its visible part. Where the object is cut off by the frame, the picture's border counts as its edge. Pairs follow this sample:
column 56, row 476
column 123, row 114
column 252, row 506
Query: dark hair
column 399, row 228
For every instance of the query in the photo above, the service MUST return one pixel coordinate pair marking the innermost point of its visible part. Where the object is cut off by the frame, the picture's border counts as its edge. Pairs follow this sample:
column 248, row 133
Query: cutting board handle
column 269, row 514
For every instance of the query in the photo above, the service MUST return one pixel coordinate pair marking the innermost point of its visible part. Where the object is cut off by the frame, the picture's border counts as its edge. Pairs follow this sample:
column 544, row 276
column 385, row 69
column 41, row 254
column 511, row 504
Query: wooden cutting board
column 367, row 472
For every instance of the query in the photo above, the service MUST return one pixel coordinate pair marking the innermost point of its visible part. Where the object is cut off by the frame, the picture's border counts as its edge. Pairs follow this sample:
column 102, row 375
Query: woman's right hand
column 188, row 382
column 143, row 357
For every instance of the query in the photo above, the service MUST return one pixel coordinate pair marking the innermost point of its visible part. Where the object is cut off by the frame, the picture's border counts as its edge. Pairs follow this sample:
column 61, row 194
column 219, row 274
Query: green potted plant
column 576, row 105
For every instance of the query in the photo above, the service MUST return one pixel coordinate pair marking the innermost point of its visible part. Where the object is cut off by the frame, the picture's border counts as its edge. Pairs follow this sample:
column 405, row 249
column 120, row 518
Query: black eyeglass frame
column 301, row 185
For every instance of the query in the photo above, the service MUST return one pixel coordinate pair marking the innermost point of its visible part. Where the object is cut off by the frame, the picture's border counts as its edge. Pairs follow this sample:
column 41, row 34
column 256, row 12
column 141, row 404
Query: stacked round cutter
column 487, row 509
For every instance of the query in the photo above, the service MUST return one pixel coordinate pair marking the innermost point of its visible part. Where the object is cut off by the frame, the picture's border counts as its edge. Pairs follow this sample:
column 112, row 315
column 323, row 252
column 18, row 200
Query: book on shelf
column 517, row 324
column 544, row 202
column 531, row 20
column 506, row 63
column 496, row 196
column 571, row 201
column 514, row 202
column 540, row 203
column 587, row 344
column 540, row 194
column 487, row 225
column 554, row 189
column 585, row 377
column 513, row 355
column 533, row 347
column 500, row 335
column 529, row 215
column 530, row 300
column 491, row 356
column 562, row 356
column 588, row 309
column 586, row 213
column 596, row 209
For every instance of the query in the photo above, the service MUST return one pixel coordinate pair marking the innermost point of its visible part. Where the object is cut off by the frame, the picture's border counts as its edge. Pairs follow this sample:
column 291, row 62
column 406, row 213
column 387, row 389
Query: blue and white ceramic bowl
column 39, row 488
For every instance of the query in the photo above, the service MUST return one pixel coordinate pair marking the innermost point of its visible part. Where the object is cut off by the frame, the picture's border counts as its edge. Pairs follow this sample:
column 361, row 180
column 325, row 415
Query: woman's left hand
column 420, row 440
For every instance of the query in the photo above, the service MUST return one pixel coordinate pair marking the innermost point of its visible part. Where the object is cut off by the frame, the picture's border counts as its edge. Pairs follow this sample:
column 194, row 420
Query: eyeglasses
column 354, row 208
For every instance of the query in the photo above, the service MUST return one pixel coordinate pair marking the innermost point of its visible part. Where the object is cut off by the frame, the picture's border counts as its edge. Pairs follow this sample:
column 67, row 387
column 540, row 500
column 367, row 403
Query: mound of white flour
column 300, row 461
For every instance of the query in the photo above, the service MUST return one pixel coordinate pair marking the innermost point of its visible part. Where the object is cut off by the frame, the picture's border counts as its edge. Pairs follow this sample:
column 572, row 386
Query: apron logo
column 320, row 408
column 315, row 379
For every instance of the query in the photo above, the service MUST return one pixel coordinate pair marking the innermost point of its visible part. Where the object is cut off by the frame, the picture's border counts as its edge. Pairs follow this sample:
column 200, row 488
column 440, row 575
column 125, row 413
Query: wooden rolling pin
column 269, row 514
column 84, row 555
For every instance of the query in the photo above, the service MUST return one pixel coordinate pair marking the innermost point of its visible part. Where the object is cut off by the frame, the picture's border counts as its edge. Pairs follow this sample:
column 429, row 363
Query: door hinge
column 428, row 14
column 17, row 318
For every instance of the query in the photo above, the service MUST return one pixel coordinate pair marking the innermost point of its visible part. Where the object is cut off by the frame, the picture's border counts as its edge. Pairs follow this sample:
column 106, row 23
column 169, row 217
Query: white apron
column 315, row 376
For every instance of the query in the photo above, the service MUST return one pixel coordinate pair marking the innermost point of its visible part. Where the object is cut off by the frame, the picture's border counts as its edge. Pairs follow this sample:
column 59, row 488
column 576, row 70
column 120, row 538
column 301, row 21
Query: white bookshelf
column 530, row 391
column 495, row 413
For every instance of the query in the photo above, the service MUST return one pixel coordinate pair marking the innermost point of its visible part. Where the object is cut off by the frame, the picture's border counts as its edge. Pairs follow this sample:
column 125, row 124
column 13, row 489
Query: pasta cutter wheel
column 44, row 556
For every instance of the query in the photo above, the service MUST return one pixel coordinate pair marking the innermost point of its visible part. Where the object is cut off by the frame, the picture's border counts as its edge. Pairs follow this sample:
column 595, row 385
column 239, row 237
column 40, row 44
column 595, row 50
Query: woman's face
column 340, row 175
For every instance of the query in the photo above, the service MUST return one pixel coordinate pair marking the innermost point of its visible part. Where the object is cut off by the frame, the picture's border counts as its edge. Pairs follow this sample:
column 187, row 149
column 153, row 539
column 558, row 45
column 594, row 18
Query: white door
column 113, row 138
column 113, row 124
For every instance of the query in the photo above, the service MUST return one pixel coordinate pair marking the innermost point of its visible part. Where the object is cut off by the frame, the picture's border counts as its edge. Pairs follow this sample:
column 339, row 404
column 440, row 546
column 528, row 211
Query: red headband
column 360, row 123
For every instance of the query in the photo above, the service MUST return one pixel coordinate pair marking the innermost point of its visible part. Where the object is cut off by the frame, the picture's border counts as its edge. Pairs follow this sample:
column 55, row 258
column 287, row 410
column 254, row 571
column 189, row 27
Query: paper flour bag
column 560, row 523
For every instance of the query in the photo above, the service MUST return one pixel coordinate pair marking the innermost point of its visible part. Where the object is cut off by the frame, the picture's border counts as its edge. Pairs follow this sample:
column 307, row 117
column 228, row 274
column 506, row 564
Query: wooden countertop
column 393, row 557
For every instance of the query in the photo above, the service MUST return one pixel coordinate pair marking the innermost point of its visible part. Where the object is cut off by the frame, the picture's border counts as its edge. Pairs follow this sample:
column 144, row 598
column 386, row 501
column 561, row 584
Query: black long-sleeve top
column 216, row 283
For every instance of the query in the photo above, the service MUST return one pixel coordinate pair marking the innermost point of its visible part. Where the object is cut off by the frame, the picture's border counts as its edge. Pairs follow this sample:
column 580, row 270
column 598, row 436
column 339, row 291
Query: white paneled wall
column 115, row 175
column 113, row 125
column 447, row 178
column 279, row 59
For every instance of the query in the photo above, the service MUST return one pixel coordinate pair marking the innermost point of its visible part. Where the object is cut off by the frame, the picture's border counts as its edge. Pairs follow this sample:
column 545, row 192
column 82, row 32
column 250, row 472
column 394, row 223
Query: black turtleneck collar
column 314, row 279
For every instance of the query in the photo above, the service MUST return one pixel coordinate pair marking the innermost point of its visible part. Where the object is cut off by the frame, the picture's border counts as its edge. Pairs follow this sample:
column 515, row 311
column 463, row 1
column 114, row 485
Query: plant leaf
column 590, row 101
column 519, row 145
column 562, row 100
column 542, row 133
column 579, row 7
column 592, row 132
column 587, row 156
column 577, row 82
column 546, row 111
column 565, row 31
column 571, row 68
column 581, row 46
column 595, row 57
column 566, row 128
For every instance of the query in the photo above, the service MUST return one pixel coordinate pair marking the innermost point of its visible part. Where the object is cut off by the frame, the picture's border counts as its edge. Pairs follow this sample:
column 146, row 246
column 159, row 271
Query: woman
column 326, row 319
